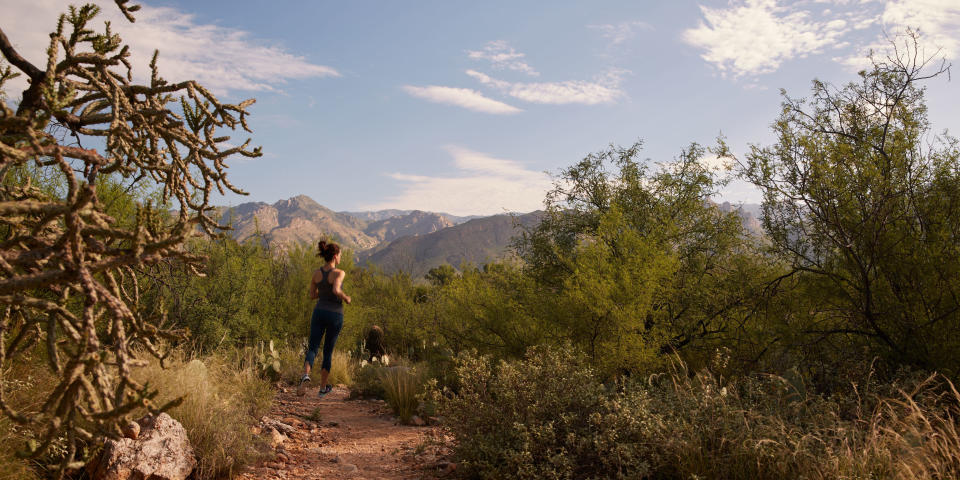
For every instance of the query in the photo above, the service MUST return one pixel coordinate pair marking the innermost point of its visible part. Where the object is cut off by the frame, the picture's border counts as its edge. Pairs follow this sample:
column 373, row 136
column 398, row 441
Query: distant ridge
column 378, row 215
column 297, row 219
column 300, row 219
column 476, row 241
column 412, row 241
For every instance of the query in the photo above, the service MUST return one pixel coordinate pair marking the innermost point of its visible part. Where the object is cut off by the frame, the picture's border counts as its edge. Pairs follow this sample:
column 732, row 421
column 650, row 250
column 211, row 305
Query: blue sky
column 461, row 106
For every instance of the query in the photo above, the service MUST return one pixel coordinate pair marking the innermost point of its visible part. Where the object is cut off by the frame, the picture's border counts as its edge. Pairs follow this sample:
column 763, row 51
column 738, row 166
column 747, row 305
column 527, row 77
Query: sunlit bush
column 548, row 417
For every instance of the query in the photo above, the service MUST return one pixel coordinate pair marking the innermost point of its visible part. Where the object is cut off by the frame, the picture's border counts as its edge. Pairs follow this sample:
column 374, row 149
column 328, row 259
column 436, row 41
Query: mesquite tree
column 68, row 270
column 861, row 201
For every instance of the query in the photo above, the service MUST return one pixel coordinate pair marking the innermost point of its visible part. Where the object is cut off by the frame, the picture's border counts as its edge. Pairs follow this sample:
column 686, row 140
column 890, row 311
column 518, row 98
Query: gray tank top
column 327, row 300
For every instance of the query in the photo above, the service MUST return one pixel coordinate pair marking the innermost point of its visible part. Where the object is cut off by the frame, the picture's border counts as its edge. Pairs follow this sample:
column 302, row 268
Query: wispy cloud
column 221, row 58
column 502, row 56
column 756, row 36
column 604, row 88
column 484, row 185
column 937, row 20
column 618, row 33
column 461, row 97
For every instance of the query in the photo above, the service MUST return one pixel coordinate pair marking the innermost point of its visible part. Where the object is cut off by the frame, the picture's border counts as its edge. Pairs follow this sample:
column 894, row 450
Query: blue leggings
column 325, row 325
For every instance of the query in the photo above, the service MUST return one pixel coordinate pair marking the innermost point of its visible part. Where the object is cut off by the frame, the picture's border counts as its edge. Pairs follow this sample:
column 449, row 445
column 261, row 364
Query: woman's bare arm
column 339, row 275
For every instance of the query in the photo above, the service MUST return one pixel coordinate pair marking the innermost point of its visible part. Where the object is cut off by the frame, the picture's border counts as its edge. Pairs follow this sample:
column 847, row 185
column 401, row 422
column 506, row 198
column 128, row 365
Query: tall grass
column 402, row 386
column 342, row 366
column 223, row 399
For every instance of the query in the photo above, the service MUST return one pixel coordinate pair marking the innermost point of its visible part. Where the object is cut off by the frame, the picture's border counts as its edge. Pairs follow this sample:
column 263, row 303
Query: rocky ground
column 336, row 438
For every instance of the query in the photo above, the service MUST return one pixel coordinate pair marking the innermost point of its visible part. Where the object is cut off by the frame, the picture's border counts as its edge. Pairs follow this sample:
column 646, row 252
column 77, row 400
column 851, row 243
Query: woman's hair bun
column 327, row 250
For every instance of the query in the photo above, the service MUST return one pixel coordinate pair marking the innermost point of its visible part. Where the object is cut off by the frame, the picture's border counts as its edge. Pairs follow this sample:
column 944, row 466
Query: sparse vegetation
column 640, row 331
column 546, row 416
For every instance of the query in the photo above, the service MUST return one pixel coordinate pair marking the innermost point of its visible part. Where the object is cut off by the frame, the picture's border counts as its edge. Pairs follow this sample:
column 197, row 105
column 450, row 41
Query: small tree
column 68, row 270
column 638, row 263
column 864, row 206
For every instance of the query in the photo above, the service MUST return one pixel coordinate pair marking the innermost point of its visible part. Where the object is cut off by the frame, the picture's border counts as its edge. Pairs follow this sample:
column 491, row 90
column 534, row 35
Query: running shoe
column 325, row 390
column 302, row 386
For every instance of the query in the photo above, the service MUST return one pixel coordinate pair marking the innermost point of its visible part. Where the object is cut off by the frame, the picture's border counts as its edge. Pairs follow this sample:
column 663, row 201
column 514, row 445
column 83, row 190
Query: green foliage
column 367, row 382
column 442, row 275
column 249, row 294
column 548, row 417
column 632, row 264
column 860, row 201
column 539, row 418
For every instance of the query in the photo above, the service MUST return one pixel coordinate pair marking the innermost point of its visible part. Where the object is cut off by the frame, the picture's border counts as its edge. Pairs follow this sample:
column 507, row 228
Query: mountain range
column 412, row 241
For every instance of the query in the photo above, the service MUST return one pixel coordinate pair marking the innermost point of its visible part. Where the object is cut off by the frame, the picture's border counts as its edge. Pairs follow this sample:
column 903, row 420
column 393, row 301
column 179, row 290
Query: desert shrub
column 532, row 419
column 224, row 397
column 547, row 417
column 367, row 382
column 402, row 386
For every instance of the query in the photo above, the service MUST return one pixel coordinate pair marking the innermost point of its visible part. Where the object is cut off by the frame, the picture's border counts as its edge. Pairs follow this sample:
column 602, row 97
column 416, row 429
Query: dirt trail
column 355, row 439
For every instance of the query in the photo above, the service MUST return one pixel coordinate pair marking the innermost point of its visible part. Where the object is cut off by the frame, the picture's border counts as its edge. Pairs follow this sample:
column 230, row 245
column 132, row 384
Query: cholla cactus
column 68, row 271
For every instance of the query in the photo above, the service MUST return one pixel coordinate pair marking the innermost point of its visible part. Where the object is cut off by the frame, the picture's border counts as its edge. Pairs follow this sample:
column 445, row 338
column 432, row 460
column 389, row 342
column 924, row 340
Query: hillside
column 301, row 219
column 297, row 219
column 476, row 241
column 413, row 223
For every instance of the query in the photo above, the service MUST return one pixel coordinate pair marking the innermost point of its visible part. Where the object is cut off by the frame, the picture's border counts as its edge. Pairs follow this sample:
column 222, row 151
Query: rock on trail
column 336, row 438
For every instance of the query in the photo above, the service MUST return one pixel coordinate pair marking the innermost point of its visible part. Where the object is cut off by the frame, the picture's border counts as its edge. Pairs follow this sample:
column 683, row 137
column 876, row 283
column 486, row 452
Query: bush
column 531, row 419
column 546, row 417
column 367, row 382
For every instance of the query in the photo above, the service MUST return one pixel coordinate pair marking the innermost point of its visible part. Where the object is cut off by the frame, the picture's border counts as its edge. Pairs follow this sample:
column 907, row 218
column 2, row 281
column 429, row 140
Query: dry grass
column 26, row 384
column 402, row 386
column 342, row 366
column 291, row 363
column 11, row 467
column 765, row 428
column 223, row 399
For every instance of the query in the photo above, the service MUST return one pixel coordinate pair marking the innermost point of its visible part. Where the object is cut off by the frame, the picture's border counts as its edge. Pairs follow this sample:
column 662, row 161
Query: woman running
column 326, row 287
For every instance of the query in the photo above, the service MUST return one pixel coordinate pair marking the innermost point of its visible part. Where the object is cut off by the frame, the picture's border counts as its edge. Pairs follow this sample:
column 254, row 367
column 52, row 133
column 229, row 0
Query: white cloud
column 461, row 97
column 502, row 56
column 222, row 59
column 754, row 37
column 484, row 186
column 619, row 33
column 603, row 89
column 937, row 21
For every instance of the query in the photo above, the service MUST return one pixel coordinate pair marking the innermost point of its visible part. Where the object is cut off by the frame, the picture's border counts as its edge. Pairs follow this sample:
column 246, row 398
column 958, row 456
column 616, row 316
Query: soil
column 339, row 438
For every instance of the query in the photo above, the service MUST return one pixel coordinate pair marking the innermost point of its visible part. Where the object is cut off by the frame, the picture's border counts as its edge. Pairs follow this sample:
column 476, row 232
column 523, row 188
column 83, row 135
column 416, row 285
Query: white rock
column 162, row 451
